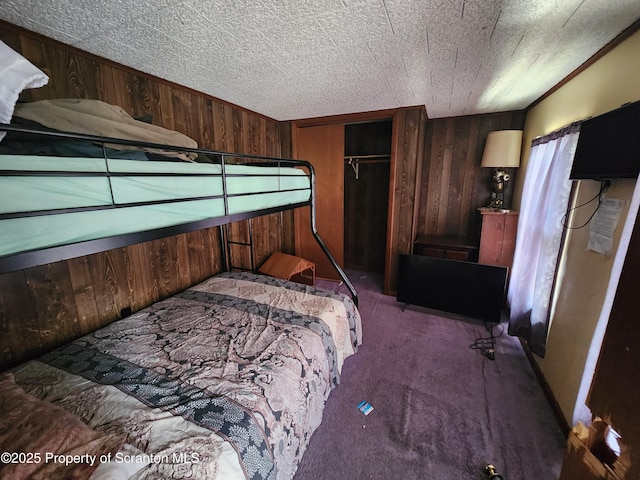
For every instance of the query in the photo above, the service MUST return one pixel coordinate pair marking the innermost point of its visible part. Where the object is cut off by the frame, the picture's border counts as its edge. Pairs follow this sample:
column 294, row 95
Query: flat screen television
column 453, row 286
column 609, row 146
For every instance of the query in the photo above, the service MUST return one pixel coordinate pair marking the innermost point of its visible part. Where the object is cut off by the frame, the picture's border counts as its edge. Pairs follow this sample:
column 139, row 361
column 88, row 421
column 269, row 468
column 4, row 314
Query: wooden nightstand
column 498, row 237
column 445, row 246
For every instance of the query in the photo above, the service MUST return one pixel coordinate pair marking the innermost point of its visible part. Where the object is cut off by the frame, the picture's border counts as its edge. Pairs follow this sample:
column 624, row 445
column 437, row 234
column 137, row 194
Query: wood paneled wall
column 407, row 151
column 437, row 182
column 43, row 307
column 46, row 306
column 453, row 184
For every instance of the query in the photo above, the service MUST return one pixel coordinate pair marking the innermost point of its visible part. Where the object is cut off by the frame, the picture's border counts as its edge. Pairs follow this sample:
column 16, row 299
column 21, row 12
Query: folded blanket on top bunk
column 225, row 380
column 93, row 117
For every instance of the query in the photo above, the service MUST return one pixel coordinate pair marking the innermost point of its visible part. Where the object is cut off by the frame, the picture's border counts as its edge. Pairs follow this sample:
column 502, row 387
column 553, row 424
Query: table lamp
column 501, row 151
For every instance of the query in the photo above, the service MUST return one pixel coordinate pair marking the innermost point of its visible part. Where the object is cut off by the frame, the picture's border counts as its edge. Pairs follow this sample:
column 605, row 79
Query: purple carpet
column 441, row 409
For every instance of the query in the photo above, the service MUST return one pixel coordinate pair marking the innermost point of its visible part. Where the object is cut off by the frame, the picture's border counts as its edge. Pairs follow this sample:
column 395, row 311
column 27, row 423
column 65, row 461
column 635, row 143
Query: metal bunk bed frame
column 27, row 259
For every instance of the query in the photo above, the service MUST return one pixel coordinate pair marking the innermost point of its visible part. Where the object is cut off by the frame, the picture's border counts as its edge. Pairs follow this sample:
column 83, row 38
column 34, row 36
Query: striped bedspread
column 225, row 380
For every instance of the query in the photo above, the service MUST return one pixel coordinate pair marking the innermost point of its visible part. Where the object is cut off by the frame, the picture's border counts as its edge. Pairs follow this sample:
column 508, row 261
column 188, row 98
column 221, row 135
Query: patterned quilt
column 225, row 380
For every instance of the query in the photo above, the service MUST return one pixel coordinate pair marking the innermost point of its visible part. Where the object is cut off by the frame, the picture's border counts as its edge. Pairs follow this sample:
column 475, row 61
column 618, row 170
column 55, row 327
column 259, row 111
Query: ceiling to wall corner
column 293, row 59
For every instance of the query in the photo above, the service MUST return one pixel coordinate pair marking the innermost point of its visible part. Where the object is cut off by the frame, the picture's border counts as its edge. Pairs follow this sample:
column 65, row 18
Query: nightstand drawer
column 453, row 248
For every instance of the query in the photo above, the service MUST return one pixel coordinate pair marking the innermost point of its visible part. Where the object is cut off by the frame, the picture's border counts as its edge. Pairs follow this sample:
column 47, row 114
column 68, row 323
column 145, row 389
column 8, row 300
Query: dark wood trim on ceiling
column 362, row 117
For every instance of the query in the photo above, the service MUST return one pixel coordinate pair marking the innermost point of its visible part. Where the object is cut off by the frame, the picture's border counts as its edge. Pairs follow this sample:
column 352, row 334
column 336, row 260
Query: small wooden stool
column 289, row 267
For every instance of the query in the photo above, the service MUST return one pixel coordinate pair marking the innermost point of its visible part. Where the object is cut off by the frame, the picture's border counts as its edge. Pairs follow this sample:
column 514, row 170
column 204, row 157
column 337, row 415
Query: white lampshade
column 502, row 149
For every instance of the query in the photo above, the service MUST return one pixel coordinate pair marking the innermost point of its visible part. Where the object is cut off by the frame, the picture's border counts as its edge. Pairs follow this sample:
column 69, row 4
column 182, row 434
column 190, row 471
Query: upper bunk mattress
column 52, row 201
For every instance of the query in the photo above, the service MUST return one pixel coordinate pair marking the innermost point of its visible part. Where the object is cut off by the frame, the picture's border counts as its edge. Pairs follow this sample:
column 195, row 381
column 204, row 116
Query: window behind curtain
column 545, row 198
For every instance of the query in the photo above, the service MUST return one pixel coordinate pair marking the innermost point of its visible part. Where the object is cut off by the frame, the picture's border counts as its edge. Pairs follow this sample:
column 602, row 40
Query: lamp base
column 499, row 182
column 497, row 203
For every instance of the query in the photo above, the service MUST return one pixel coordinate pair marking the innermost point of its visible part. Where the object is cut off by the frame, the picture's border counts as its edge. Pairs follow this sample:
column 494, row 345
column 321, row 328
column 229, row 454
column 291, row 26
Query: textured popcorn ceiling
column 292, row 59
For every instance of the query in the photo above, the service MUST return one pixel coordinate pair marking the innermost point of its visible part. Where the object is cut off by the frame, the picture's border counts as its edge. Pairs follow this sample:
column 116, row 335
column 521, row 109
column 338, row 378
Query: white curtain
column 545, row 198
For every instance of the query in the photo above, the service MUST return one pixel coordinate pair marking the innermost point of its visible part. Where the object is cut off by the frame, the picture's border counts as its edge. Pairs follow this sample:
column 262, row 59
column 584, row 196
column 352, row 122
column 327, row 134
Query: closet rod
column 368, row 158
column 355, row 161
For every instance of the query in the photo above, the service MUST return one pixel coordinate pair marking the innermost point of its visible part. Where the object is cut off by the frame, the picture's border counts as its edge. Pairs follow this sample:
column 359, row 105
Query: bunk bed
column 226, row 379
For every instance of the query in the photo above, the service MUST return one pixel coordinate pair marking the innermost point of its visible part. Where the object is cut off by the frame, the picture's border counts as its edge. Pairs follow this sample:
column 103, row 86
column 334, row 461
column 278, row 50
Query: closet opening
column 367, row 160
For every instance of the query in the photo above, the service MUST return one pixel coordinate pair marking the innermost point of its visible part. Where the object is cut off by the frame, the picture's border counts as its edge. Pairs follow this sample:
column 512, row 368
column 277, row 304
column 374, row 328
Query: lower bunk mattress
column 225, row 380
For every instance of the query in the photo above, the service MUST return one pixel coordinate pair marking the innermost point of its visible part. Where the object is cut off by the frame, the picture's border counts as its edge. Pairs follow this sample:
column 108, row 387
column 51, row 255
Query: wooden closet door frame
column 360, row 118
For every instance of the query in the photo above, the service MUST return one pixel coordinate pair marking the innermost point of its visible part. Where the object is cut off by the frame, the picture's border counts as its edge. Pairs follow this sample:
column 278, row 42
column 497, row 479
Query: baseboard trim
column 555, row 406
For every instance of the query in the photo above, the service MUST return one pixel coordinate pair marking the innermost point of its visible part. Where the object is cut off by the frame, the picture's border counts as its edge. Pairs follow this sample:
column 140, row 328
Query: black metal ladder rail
column 228, row 241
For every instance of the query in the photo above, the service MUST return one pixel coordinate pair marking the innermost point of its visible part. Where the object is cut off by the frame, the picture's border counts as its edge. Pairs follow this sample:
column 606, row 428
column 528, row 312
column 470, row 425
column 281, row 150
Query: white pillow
column 16, row 74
